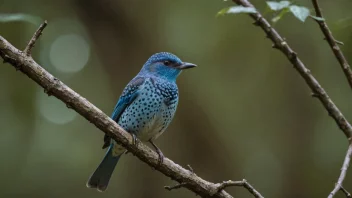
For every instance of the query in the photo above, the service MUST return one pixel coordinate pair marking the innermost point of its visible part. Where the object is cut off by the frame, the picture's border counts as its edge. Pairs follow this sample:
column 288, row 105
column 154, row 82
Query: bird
column 145, row 109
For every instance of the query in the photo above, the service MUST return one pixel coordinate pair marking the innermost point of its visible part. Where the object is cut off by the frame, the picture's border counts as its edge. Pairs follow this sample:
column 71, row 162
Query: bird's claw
column 134, row 140
column 161, row 155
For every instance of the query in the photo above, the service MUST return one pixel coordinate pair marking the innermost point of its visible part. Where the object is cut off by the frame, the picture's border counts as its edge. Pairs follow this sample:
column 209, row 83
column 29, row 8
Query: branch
column 348, row 195
column 52, row 86
column 344, row 168
column 317, row 89
column 243, row 183
column 37, row 34
column 177, row 186
column 333, row 43
column 348, row 73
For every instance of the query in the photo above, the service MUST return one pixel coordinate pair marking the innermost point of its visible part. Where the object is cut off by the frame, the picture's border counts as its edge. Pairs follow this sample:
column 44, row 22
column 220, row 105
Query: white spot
column 69, row 53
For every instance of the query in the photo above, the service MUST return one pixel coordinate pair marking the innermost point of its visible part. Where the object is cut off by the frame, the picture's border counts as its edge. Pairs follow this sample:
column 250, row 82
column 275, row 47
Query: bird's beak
column 186, row 65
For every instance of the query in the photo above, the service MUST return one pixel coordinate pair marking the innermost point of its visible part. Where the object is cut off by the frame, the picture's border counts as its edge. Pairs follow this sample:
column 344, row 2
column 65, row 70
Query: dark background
column 243, row 113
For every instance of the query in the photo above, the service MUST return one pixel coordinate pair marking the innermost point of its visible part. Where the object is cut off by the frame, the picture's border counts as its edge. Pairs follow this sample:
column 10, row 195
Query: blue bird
column 145, row 109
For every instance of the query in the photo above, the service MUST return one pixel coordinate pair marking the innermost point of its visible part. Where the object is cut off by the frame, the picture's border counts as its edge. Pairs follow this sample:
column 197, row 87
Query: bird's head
column 165, row 65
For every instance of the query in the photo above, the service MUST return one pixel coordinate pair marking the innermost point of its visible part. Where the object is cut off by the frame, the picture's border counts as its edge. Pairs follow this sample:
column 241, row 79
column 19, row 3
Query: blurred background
column 243, row 113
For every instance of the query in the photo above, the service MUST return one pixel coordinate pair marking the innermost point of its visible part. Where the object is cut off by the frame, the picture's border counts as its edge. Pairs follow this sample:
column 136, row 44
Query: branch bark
column 37, row 34
column 333, row 43
column 23, row 62
column 243, row 183
column 317, row 89
column 342, row 176
column 348, row 73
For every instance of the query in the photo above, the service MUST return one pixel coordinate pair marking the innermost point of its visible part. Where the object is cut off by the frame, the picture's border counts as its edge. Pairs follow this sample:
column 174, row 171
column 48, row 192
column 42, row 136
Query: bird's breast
column 151, row 112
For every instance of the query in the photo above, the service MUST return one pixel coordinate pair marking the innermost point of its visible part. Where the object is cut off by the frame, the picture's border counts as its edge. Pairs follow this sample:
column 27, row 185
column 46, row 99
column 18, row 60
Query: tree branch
column 348, row 195
column 52, row 86
column 348, row 73
column 244, row 183
column 333, row 43
column 344, row 168
column 35, row 37
column 317, row 89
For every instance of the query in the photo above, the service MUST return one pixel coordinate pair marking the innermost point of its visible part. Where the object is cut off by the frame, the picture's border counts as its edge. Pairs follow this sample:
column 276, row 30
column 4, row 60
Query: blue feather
column 101, row 176
column 145, row 109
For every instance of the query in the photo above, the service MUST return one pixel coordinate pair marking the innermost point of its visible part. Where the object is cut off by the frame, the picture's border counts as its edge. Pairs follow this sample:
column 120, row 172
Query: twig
column 348, row 73
column 94, row 115
column 177, row 186
column 244, row 183
column 344, row 168
column 333, row 43
column 345, row 192
column 35, row 37
column 180, row 185
column 190, row 168
column 338, row 42
column 314, row 85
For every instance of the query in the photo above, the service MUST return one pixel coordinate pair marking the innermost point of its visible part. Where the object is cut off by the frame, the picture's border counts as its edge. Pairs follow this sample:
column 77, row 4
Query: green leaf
column 236, row 10
column 273, row 5
column 280, row 15
column 20, row 17
column 317, row 18
column 222, row 12
column 300, row 12
column 241, row 9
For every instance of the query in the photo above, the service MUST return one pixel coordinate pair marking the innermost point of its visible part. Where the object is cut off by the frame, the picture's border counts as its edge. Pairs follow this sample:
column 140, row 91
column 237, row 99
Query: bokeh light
column 53, row 109
column 69, row 53
column 244, row 113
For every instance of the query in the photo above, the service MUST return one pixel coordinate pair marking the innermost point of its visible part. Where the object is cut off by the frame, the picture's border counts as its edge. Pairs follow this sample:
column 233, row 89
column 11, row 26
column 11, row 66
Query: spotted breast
column 151, row 112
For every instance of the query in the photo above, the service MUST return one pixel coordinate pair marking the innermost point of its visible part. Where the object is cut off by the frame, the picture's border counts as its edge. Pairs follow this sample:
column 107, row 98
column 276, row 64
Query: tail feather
column 101, row 176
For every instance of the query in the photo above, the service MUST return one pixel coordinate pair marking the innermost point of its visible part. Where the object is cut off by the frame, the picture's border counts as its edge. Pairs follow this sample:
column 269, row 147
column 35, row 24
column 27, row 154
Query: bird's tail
column 101, row 176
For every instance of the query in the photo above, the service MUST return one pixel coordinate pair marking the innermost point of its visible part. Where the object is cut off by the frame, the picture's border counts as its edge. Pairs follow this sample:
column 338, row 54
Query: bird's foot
column 134, row 142
column 161, row 155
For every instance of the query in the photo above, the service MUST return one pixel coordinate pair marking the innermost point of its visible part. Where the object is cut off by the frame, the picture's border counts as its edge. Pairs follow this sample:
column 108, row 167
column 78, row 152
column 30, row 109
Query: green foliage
column 284, row 7
column 276, row 6
column 236, row 10
column 20, row 17
column 281, row 7
column 300, row 12
column 317, row 18
column 280, row 15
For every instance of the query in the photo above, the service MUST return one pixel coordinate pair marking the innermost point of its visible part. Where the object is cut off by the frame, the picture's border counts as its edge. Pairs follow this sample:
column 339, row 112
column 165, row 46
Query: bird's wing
column 129, row 94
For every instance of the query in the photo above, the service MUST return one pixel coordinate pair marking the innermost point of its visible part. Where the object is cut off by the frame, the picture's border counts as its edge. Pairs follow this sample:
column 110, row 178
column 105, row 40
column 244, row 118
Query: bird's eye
column 167, row 63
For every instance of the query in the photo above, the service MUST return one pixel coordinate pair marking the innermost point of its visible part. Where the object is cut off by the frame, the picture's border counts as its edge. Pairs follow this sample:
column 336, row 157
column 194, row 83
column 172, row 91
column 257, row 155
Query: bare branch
column 338, row 42
column 348, row 195
column 177, row 186
column 334, row 44
column 243, row 183
column 180, row 185
column 34, row 39
column 348, row 73
column 313, row 84
column 190, row 168
column 58, row 89
column 344, row 168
